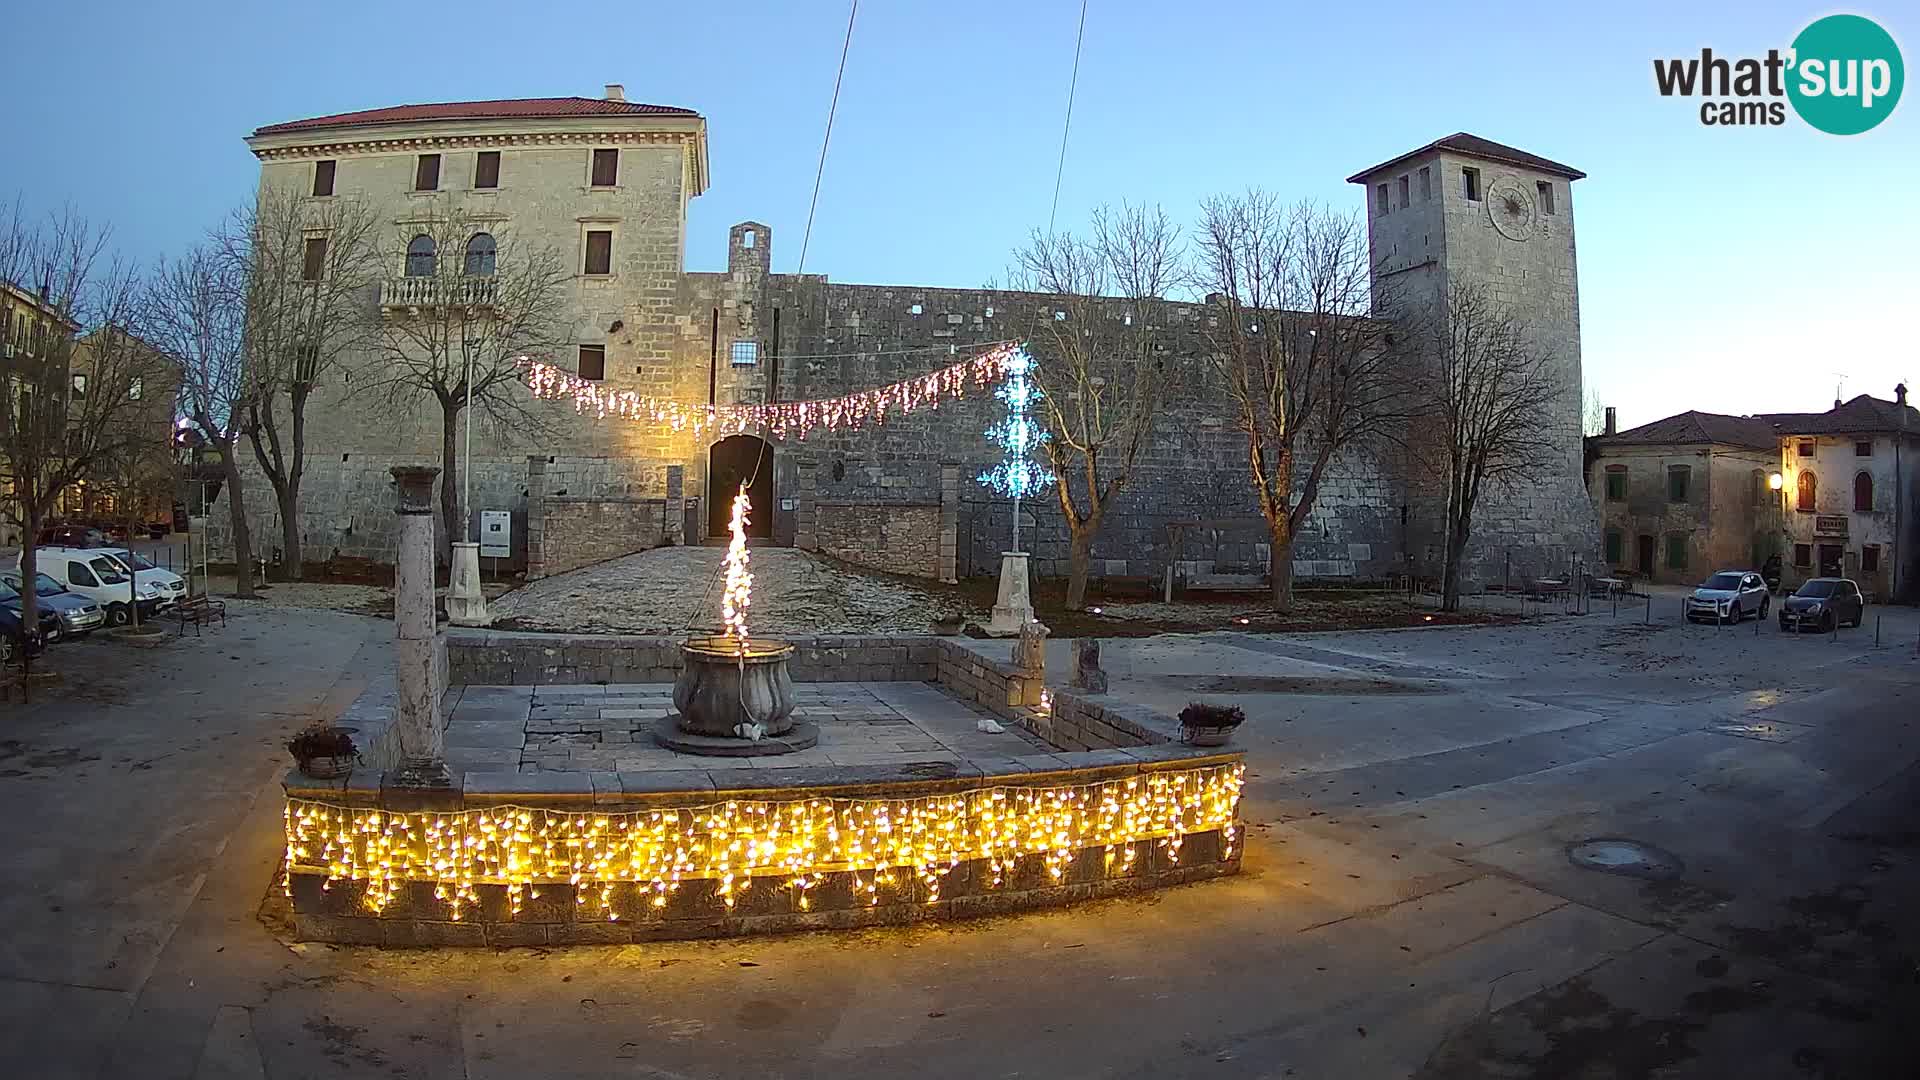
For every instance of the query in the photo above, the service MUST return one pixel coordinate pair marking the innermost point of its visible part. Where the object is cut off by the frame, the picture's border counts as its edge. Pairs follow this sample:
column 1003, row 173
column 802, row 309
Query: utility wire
column 1072, row 85
column 819, row 171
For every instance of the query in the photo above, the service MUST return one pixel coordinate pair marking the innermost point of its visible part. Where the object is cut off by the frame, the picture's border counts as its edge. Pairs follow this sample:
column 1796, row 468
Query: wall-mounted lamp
column 1776, row 481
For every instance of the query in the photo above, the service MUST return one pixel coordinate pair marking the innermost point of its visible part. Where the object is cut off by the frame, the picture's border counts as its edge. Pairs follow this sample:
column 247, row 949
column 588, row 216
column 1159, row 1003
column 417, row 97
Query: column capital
column 415, row 484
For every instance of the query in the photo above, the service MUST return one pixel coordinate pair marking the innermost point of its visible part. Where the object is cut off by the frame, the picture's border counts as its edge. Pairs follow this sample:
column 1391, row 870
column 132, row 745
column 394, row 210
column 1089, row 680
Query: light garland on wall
column 737, row 595
column 779, row 419
column 740, row 842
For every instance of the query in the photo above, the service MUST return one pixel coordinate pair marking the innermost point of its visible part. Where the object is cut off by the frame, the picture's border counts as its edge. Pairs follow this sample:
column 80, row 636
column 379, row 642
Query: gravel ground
column 668, row 590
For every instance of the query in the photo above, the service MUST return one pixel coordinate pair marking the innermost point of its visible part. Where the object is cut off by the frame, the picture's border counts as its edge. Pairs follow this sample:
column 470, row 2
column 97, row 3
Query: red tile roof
column 1698, row 427
column 518, row 108
column 1474, row 146
column 1862, row 415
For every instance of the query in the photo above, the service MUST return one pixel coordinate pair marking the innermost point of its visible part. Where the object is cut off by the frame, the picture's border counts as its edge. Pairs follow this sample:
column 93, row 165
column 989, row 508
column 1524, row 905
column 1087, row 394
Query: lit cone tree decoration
column 738, row 593
column 1018, row 474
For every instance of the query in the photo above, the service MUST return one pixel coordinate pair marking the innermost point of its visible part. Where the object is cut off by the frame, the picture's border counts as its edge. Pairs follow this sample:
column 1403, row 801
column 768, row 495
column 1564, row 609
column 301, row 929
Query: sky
column 1730, row 270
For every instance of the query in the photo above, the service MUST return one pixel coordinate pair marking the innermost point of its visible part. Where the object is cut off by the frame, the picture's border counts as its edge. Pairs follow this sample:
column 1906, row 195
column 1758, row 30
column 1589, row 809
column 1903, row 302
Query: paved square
column 596, row 728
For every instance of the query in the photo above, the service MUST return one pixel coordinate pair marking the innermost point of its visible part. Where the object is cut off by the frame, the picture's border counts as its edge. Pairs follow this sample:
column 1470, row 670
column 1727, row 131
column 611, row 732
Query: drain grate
column 1612, row 855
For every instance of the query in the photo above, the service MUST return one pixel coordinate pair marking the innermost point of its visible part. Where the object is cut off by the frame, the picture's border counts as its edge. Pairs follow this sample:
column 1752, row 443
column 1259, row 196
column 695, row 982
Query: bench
column 198, row 610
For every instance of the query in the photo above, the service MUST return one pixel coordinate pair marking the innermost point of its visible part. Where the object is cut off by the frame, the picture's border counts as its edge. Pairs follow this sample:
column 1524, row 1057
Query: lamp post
column 1017, row 475
column 466, row 604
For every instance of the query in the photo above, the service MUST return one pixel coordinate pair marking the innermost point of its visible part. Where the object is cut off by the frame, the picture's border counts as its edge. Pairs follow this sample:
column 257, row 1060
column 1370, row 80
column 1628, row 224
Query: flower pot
column 331, row 767
column 1206, row 736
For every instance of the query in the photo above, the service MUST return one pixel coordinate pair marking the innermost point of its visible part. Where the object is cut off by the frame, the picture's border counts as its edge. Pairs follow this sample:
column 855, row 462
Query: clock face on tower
column 1510, row 205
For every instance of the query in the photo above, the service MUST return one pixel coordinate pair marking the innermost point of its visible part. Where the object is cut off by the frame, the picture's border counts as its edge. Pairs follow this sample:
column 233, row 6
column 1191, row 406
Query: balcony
column 437, row 292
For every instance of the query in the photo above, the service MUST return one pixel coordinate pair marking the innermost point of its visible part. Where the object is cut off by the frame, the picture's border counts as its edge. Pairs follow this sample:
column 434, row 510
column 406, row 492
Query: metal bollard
column 1876, row 631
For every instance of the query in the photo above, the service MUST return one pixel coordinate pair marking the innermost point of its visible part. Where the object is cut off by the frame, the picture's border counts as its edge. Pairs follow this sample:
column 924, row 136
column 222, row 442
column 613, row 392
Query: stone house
column 607, row 181
column 33, row 359
column 1850, row 478
column 1684, row 496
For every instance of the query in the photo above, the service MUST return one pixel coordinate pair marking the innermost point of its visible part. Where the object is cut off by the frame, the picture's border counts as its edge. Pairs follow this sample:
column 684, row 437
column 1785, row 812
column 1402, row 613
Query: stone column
column 1014, row 608
column 676, row 512
column 536, row 516
column 949, row 569
column 806, row 535
column 420, row 652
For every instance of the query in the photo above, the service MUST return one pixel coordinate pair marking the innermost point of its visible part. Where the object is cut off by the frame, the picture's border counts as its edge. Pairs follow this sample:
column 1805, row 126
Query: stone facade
column 1853, row 524
column 1724, row 517
column 747, row 335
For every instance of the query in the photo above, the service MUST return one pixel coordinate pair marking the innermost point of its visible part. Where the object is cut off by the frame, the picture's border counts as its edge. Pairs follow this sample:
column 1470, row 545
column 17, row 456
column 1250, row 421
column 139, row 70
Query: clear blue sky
column 1731, row 270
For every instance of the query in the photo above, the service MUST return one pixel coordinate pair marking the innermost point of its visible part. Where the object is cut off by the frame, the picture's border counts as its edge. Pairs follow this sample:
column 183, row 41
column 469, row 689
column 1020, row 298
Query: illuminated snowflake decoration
column 1018, row 475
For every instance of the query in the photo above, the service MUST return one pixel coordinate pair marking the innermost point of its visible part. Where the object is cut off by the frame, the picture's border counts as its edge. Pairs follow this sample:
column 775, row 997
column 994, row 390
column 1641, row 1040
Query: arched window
column 1862, row 492
column 480, row 251
column 420, row 256
column 1808, row 488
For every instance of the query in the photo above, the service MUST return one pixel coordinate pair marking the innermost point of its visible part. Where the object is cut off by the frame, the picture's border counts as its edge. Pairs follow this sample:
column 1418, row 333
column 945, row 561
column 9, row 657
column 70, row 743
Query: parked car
column 1823, row 603
column 95, row 574
column 1729, row 596
column 79, row 616
column 72, row 536
column 11, row 601
column 13, row 640
column 173, row 587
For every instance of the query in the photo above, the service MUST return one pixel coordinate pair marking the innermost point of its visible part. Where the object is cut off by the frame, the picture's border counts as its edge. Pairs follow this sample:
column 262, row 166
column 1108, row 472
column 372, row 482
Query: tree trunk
column 450, row 519
column 237, row 510
column 1079, row 561
column 291, row 559
column 29, row 566
column 1458, row 529
column 1280, row 566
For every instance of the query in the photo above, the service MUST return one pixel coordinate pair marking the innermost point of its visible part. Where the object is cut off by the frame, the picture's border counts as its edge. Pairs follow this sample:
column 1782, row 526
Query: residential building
column 1685, row 496
column 1850, row 478
column 33, row 359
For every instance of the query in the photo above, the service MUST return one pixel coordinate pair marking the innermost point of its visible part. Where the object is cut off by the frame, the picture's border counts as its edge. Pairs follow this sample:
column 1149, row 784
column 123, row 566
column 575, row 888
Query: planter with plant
column 323, row 752
column 1202, row 724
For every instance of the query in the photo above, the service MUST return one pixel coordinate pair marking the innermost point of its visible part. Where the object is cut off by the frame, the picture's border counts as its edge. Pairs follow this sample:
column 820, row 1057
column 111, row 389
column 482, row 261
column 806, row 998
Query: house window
column 1808, row 489
column 486, row 169
column 1803, row 556
column 314, row 259
column 1862, row 493
column 426, row 173
column 1676, row 551
column 1677, row 478
column 1545, row 191
column 593, row 362
column 1470, row 184
column 1616, row 483
column 1406, row 195
column 1382, row 202
column 420, row 258
column 480, row 253
column 79, row 385
column 1806, row 448
column 1869, row 558
column 1426, row 184
column 1616, row 547
column 746, row 353
column 1863, row 449
column 135, row 388
column 600, row 252
column 323, row 178
column 606, row 168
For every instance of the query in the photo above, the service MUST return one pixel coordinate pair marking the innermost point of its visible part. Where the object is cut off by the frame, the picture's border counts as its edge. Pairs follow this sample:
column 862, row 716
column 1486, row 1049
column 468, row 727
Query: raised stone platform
column 567, row 823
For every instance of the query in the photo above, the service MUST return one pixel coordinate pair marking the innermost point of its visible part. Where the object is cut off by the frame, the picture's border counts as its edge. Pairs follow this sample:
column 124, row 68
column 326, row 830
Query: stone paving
column 588, row 728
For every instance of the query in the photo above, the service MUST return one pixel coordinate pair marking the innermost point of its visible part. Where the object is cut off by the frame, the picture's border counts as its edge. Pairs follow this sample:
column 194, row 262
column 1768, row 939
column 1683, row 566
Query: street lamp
column 1776, row 481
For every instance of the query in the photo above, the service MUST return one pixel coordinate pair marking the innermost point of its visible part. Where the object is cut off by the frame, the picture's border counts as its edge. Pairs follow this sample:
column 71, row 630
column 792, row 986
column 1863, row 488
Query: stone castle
column 607, row 182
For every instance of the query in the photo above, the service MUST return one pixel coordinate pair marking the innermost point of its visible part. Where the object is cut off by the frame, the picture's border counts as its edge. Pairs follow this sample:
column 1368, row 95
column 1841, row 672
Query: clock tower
column 1472, row 208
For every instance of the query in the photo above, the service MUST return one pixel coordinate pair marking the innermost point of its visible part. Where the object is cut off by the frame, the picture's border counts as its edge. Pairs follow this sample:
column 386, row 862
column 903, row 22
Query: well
column 725, row 684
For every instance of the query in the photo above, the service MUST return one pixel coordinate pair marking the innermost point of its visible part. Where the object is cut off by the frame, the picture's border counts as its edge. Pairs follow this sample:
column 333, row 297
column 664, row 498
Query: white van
column 172, row 587
column 101, row 575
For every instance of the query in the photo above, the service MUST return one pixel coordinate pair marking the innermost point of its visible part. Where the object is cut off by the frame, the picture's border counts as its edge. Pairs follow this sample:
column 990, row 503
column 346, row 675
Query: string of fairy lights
column 778, row 419
column 745, row 843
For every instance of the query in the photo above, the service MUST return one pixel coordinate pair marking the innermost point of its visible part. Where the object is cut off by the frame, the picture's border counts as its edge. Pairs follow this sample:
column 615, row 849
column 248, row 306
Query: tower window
column 1426, row 184
column 746, row 239
column 1382, row 202
column 593, row 362
column 486, row 169
column 1470, row 184
column 323, row 178
column 1406, row 197
column 606, row 168
column 426, row 172
column 600, row 252
column 1545, row 191
column 746, row 353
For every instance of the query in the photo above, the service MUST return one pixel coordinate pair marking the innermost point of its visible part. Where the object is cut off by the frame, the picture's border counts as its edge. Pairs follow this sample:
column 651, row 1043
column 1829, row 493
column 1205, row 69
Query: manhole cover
column 1629, row 857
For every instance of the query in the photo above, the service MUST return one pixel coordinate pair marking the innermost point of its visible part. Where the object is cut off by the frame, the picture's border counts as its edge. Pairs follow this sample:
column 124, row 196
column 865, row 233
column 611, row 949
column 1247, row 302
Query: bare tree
column 57, row 280
column 195, row 311
column 311, row 269
column 1311, row 372
column 472, row 303
column 1593, row 414
column 1104, row 364
column 1492, row 394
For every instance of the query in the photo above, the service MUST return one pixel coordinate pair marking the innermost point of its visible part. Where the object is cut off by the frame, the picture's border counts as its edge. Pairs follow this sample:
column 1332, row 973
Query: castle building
column 606, row 182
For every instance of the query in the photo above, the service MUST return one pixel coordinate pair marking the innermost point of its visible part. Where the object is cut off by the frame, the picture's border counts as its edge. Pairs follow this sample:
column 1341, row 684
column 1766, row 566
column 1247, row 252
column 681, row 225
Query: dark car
column 12, row 639
column 73, row 536
column 1823, row 603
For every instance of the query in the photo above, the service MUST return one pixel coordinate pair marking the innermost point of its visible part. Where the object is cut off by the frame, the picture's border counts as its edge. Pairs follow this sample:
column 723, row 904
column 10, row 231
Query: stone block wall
column 899, row 539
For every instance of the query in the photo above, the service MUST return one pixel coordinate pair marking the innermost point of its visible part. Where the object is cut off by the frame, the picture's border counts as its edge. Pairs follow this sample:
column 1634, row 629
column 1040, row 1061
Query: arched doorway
column 731, row 461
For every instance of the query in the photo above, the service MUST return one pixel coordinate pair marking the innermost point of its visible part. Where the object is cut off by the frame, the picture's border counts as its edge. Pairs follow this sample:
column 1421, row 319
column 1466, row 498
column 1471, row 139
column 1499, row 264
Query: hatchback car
column 1729, row 596
column 13, row 640
column 79, row 616
column 11, row 601
column 1823, row 604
